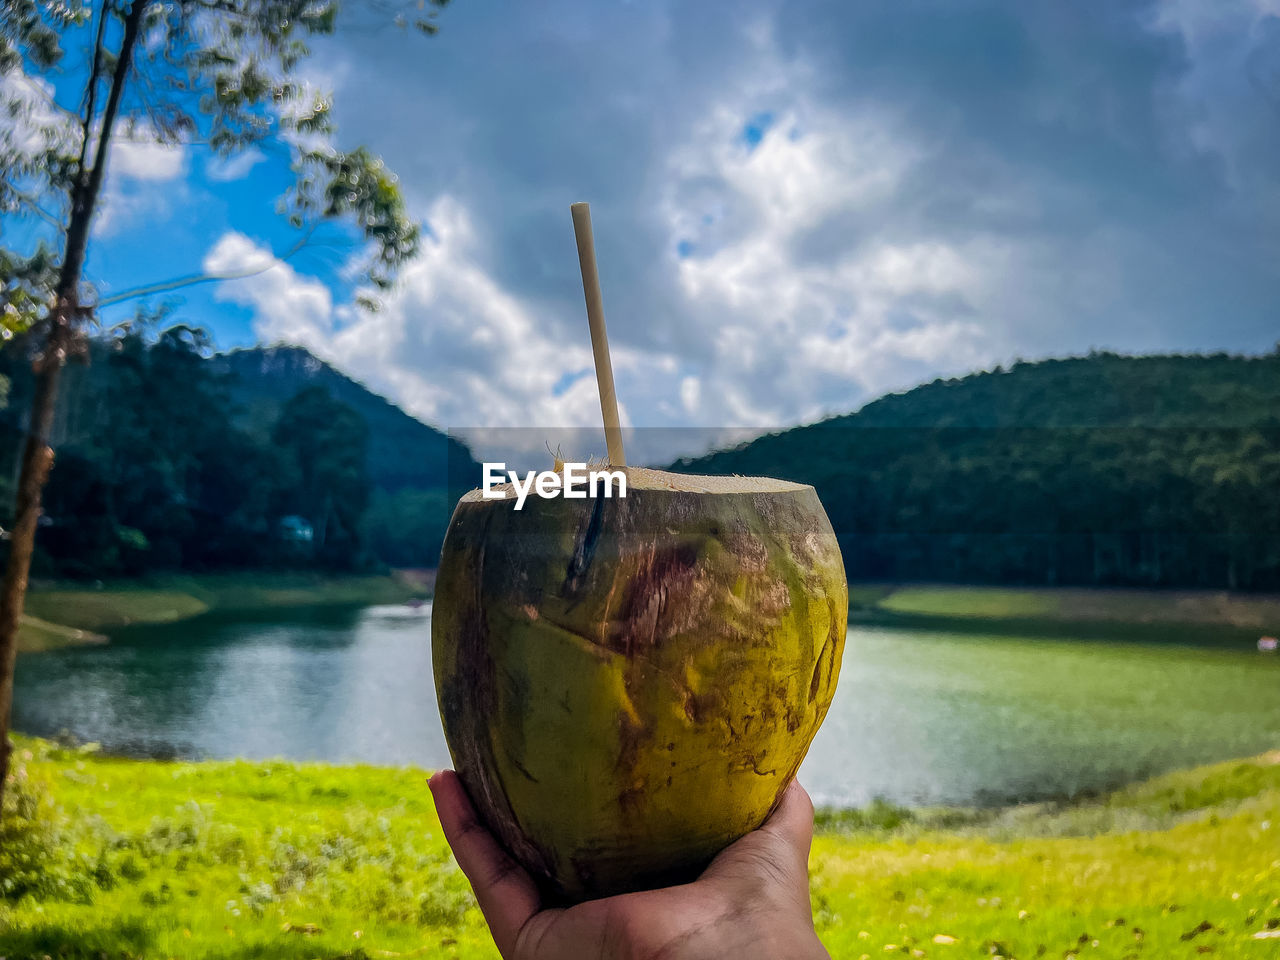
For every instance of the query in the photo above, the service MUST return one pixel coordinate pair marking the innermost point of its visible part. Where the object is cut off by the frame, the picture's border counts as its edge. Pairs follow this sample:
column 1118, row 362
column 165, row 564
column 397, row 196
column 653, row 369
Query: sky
column 797, row 206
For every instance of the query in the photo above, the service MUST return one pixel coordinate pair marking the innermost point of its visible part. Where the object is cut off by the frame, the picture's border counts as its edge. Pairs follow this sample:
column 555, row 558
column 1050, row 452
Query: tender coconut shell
column 628, row 685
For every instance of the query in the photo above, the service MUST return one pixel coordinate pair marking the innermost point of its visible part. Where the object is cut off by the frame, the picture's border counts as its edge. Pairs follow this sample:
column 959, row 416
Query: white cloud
column 145, row 180
column 780, row 339
column 796, row 335
column 287, row 306
column 449, row 344
column 135, row 154
column 235, row 167
column 33, row 121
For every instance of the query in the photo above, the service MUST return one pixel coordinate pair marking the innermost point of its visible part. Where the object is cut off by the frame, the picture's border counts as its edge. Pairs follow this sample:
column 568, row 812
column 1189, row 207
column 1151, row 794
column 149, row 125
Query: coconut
column 628, row 685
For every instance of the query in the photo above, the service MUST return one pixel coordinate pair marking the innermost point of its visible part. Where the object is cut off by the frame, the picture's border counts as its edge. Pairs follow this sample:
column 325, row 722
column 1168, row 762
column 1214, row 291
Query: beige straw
column 599, row 339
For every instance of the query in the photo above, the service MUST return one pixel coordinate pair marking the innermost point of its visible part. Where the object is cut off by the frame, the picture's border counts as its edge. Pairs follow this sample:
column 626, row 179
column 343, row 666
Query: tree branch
column 85, row 196
column 91, row 92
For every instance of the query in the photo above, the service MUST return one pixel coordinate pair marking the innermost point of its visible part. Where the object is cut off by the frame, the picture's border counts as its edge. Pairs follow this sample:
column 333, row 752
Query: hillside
column 404, row 453
column 170, row 459
column 1104, row 469
column 1100, row 390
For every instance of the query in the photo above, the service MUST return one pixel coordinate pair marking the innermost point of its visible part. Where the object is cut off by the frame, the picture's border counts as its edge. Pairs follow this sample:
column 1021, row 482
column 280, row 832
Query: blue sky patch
column 756, row 128
column 567, row 380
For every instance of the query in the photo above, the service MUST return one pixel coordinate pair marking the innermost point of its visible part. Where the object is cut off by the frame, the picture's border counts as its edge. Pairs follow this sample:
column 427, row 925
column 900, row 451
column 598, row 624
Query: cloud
column 139, row 157
column 33, row 120
column 126, row 203
column 800, row 331
column 145, row 180
column 236, row 167
column 799, row 208
column 288, row 307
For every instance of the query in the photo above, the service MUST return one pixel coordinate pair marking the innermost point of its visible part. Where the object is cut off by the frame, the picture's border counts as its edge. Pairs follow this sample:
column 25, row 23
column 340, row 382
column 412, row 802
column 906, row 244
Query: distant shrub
column 880, row 814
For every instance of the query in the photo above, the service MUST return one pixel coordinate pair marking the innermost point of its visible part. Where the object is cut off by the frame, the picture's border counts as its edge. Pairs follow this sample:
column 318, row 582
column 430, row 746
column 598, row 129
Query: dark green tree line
column 1155, row 471
column 157, row 472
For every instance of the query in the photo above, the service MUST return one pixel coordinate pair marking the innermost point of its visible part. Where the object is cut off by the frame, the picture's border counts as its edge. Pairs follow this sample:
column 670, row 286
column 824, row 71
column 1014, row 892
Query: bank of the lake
column 68, row 614
column 65, row 614
column 104, row 857
column 1072, row 607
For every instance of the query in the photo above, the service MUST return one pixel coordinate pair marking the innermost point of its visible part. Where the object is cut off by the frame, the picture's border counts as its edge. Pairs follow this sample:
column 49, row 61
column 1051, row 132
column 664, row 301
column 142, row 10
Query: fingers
column 792, row 822
column 505, row 892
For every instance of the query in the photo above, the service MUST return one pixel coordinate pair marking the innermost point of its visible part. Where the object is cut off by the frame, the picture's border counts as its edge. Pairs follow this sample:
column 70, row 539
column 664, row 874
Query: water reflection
column 921, row 717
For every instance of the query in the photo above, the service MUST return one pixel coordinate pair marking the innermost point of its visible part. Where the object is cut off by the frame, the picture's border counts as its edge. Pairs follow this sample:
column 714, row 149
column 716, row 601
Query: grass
column 123, row 858
column 58, row 615
column 1186, row 865
column 113, row 858
column 994, row 602
column 1069, row 605
column 104, row 609
column 36, row 634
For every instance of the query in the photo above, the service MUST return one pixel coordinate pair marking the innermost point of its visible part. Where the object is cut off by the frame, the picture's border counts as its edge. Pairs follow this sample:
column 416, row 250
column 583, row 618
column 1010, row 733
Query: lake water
column 920, row 717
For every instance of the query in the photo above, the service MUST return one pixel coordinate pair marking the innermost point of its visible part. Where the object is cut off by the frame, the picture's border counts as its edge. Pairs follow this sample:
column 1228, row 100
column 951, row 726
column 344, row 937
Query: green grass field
column 113, row 858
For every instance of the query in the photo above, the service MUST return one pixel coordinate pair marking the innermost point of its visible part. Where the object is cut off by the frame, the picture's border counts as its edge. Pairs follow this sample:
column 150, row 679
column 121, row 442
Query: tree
column 222, row 73
column 325, row 444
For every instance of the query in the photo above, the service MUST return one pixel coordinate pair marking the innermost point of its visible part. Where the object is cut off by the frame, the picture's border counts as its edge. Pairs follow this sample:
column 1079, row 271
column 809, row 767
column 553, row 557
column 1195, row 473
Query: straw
column 599, row 339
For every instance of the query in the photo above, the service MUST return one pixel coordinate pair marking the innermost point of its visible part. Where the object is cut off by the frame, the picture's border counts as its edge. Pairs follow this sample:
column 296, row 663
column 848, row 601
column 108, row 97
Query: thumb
column 778, row 852
column 791, row 823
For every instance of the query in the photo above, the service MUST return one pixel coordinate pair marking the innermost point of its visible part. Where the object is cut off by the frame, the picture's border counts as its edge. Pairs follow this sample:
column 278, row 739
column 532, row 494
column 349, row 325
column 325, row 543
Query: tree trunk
column 64, row 319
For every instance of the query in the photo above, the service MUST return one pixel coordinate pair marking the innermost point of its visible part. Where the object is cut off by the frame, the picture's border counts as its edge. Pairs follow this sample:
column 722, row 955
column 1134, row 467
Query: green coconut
column 628, row 685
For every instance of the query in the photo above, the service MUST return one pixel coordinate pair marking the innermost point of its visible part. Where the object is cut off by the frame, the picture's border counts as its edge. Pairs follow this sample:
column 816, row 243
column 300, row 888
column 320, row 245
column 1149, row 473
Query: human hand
column 751, row 903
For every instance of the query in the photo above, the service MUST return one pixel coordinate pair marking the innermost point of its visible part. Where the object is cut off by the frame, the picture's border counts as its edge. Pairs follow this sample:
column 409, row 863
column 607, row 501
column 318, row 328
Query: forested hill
column 1103, row 389
column 404, row 453
column 171, row 459
column 1096, row 470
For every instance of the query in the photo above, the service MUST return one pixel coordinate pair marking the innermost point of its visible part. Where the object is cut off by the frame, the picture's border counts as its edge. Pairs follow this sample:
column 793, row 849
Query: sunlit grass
column 971, row 602
column 36, row 634
column 1076, row 605
column 125, row 858
column 141, row 858
column 103, row 609
column 166, row 599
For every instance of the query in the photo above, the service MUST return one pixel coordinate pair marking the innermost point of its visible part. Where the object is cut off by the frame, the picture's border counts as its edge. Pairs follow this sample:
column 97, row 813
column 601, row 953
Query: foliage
column 1097, row 470
column 404, row 454
column 219, row 76
column 154, row 472
column 322, row 445
column 405, row 528
column 172, row 459
column 301, row 860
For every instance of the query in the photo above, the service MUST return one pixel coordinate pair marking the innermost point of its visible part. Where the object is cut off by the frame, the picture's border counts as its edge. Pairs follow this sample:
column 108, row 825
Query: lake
column 920, row 717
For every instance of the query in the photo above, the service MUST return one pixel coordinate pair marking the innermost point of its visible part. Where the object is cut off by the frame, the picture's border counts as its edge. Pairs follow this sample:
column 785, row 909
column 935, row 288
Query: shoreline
column 72, row 614
column 66, row 614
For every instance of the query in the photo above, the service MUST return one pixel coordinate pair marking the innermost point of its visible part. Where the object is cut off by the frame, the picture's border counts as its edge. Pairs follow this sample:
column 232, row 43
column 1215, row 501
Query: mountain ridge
column 264, row 377
column 1144, row 471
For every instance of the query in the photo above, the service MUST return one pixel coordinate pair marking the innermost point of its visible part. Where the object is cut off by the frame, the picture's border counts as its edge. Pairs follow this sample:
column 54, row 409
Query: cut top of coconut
column 643, row 478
